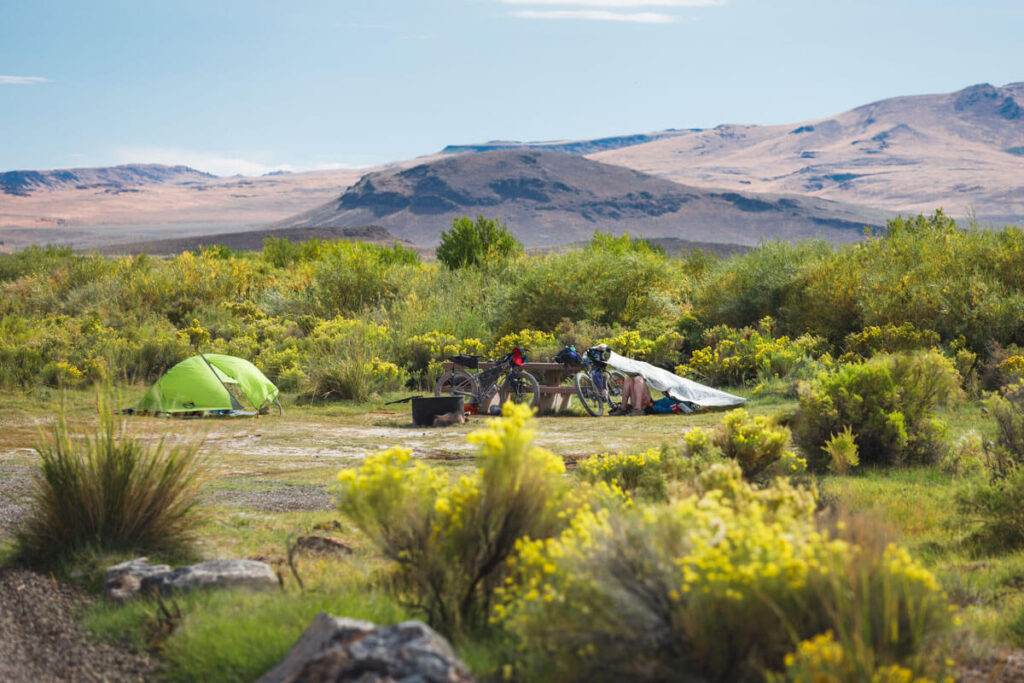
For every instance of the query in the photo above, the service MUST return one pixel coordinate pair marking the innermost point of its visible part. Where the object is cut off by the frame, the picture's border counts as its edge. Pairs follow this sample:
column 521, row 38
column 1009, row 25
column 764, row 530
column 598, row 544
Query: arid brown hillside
column 549, row 198
column 961, row 151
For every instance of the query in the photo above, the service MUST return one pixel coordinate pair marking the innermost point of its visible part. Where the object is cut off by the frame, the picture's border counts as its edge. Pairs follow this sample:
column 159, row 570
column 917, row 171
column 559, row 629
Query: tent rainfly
column 212, row 383
column 677, row 387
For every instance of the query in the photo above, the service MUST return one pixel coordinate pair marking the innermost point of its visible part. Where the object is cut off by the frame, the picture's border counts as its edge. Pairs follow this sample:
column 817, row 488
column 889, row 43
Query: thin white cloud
column 23, row 80
column 621, row 4
column 597, row 15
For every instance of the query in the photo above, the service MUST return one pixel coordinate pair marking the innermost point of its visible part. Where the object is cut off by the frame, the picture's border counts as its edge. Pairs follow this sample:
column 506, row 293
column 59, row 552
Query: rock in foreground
column 340, row 649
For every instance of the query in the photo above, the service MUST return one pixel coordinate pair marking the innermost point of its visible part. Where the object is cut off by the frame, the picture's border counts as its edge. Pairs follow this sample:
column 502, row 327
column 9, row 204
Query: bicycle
column 597, row 385
column 505, row 378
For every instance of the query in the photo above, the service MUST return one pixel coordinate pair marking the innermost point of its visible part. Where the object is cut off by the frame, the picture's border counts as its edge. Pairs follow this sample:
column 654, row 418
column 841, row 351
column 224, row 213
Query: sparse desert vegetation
column 856, row 520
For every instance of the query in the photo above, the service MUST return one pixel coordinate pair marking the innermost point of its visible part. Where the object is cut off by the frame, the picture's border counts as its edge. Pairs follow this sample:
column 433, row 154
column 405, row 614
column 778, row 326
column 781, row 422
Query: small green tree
column 470, row 243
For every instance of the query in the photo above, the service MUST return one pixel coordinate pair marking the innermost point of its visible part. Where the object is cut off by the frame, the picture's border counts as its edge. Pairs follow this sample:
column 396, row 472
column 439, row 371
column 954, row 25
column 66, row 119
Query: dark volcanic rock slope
column 549, row 198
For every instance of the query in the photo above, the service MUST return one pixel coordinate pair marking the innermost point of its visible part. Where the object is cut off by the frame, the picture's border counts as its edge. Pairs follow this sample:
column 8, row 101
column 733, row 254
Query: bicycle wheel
column 456, row 383
column 589, row 394
column 613, row 381
column 520, row 387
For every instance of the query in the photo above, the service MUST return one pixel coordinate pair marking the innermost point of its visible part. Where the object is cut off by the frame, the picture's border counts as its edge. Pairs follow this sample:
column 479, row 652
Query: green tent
column 210, row 382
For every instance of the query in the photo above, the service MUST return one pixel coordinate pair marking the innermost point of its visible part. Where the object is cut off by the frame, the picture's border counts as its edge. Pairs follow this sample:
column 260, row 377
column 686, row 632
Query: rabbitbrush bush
column 718, row 586
column 450, row 541
column 888, row 403
column 756, row 444
column 110, row 491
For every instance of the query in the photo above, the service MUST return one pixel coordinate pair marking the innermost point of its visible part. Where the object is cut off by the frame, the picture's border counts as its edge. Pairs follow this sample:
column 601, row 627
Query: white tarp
column 677, row 387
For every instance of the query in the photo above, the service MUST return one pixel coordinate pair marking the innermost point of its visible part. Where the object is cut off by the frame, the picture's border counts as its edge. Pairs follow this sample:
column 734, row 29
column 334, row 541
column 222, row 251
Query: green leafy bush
column 110, row 491
column 841, row 450
column 745, row 288
column 1007, row 408
column 995, row 512
column 756, row 444
column 612, row 281
column 450, row 541
column 887, row 403
column 718, row 586
column 996, row 509
column 469, row 243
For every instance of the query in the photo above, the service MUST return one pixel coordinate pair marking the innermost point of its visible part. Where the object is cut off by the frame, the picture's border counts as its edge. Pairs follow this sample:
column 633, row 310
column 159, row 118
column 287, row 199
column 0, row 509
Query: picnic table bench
column 553, row 394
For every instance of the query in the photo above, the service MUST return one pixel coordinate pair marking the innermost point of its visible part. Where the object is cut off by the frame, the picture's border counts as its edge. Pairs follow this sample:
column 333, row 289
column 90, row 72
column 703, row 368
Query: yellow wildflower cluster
column 755, row 443
column 823, row 660
column 697, row 442
column 622, row 469
column 525, row 338
column 661, row 349
column 446, row 535
column 736, row 356
column 1012, row 368
column 728, row 566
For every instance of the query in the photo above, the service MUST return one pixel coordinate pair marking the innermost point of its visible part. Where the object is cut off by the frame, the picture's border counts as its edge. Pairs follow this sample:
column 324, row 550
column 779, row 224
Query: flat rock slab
column 340, row 649
column 128, row 578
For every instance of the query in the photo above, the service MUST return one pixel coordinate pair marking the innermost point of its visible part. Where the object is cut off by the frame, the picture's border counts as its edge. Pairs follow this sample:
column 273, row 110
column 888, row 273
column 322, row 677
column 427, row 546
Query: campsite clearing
column 271, row 480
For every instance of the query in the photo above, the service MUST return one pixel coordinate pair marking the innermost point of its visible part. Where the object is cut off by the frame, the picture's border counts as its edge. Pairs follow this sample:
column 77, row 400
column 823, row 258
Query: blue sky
column 252, row 86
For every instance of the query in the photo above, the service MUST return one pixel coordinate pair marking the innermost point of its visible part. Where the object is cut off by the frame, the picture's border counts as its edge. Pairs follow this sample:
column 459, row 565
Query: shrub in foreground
column 110, row 492
column 450, row 541
column 756, row 444
column 718, row 586
column 887, row 403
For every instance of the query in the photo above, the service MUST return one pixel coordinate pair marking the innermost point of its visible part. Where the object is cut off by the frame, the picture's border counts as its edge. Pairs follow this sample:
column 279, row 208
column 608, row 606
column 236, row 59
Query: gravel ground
column 40, row 639
column 14, row 489
column 277, row 498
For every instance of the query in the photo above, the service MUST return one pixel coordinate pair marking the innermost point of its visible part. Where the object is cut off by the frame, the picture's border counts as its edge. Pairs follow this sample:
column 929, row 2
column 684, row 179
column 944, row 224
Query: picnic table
column 554, row 395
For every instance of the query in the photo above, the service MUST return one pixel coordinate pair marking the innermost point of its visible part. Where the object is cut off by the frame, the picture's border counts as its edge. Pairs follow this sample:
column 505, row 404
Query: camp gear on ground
column 426, row 408
column 673, row 385
column 213, row 383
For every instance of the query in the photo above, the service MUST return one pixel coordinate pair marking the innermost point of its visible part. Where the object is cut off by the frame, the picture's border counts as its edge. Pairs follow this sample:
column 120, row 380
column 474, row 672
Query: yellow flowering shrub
column 734, row 356
column 823, row 660
column 659, row 350
column 697, row 442
column 640, row 473
column 532, row 340
column 755, row 443
column 450, row 541
column 719, row 585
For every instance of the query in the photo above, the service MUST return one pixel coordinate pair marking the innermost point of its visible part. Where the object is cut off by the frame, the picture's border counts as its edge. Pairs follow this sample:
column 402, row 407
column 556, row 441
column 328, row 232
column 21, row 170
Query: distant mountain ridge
column 22, row 183
column 961, row 151
column 549, row 198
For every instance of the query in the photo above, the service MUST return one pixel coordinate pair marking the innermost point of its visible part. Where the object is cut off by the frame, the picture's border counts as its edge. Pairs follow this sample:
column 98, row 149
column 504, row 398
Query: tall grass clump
column 718, row 586
column 450, row 541
column 109, row 491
